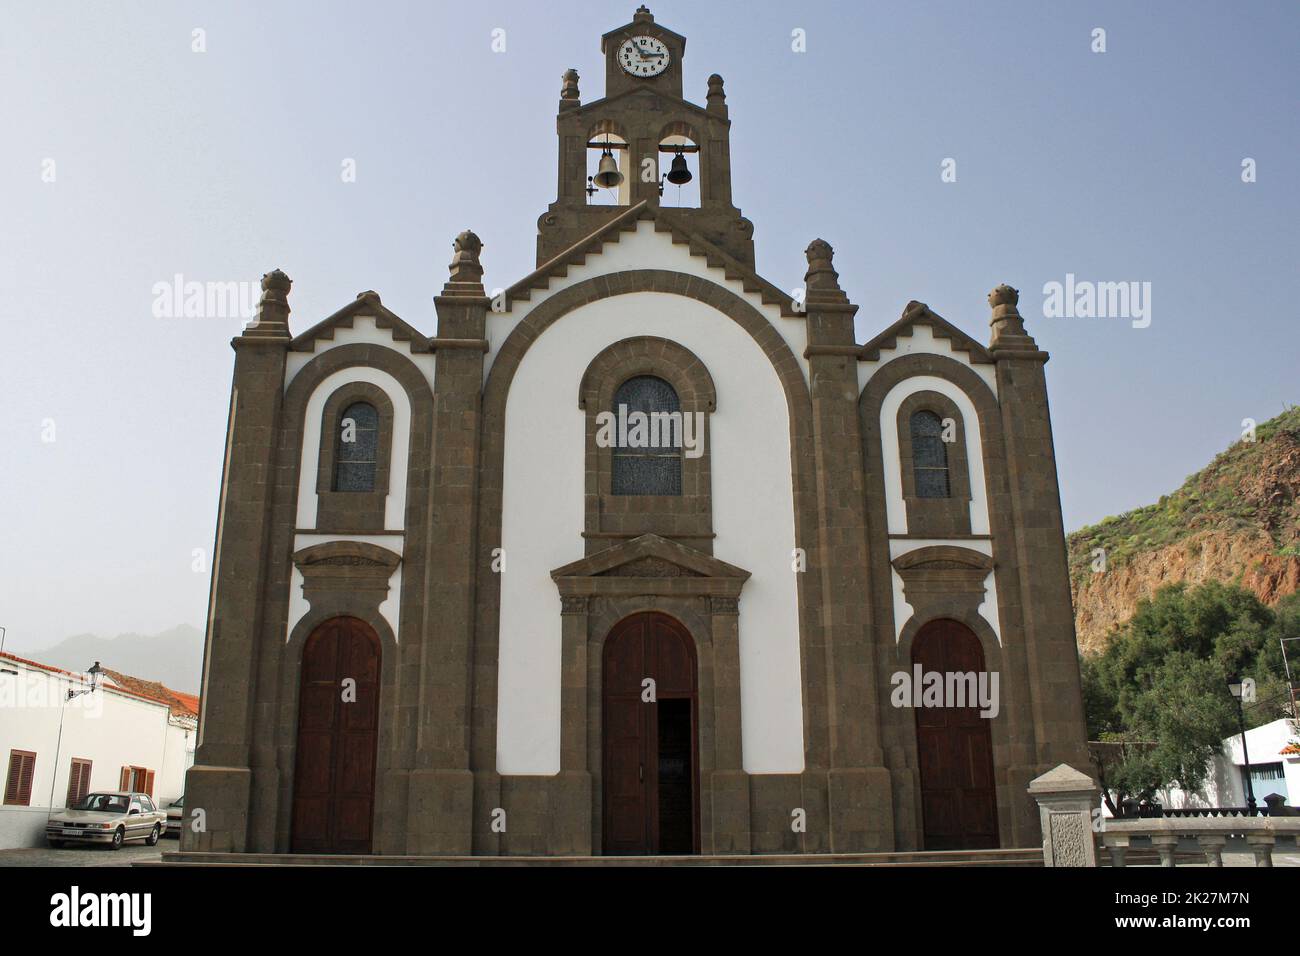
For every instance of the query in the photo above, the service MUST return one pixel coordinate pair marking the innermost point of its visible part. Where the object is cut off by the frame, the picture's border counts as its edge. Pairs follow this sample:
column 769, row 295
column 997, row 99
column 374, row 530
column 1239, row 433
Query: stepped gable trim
column 366, row 303
column 626, row 221
column 918, row 313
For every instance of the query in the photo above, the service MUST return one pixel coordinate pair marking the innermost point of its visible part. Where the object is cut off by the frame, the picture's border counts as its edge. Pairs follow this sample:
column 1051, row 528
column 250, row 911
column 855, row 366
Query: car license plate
column 70, row 831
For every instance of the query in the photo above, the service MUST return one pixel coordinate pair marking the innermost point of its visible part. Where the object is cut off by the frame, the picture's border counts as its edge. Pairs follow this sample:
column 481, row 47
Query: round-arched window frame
column 356, row 449
column 647, row 450
column 929, row 456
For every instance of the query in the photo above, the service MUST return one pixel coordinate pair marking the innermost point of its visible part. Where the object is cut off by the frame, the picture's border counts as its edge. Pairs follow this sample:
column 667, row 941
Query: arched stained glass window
column 647, row 453
column 356, row 448
column 929, row 456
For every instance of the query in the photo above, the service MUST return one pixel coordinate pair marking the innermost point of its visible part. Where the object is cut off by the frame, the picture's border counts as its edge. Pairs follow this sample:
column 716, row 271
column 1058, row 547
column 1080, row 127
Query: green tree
column 1159, row 694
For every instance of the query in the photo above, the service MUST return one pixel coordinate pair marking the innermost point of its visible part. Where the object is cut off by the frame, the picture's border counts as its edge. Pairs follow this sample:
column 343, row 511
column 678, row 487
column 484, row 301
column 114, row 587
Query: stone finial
column 1008, row 326
column 821, row 281
column 1003, row 299
column 716, row 99
column 277, row 280
column 569, row 95
column 466, row 271
column 821, row 269
column 272, row 320
column 643, row 15
column 465, row 266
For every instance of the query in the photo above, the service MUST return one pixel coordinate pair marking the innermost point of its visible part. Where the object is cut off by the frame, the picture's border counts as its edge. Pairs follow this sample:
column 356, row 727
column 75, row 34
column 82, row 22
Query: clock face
column 643, row 56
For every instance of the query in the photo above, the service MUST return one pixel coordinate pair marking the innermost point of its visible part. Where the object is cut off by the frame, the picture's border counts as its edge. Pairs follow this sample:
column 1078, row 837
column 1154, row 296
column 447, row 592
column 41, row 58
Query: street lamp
column 94, row 675
column 1235, row 687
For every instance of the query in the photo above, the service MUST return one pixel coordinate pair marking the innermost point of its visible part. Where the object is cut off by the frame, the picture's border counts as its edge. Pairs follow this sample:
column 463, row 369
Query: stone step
column 945, row 858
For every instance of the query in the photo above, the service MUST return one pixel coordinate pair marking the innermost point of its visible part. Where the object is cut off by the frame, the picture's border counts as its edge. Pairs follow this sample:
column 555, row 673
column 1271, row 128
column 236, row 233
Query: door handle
column 640, row 773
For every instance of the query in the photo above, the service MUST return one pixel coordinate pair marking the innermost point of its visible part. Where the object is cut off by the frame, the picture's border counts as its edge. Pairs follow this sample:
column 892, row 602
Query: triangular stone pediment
column 649, row 567
column 650, row 556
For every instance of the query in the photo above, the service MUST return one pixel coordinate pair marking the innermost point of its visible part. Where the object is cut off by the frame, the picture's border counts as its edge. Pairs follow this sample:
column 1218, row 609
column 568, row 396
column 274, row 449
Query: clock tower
column 643, row 53
column 645, row 124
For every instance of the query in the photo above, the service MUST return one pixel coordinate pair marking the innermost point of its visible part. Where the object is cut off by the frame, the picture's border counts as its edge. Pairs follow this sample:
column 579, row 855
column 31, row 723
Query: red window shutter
column 18, row 782
column 78, row 780
column 125, row 782
column 11, row 781
column 148, row 783
column 25, row 779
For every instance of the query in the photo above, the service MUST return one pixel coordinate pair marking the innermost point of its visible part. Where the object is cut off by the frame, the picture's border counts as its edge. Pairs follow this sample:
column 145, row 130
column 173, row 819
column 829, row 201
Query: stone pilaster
column 219, row 783
column 730, row 791
column 1051, row 654
column 442, row 784
column 859, row 792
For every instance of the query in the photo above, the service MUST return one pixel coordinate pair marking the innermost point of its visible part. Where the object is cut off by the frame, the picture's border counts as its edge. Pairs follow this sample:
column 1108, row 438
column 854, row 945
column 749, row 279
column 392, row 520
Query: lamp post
column 1235, row 687
column 93, row 674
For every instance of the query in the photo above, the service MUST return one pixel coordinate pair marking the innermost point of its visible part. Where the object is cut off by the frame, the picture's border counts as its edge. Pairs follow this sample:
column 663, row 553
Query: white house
column 122, row 734
column 1274, row 768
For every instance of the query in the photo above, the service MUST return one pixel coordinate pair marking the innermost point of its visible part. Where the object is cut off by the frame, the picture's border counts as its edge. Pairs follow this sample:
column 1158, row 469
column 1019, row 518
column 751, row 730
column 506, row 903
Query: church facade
column 641, row 555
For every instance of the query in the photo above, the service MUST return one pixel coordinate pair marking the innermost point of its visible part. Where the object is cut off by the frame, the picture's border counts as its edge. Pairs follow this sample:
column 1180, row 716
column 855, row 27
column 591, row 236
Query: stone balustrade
column 1170, row 835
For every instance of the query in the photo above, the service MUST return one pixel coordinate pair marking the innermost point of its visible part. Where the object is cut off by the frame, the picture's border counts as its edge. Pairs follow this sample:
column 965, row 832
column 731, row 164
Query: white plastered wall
column 924, row 341
column 364, row 330
column 646, row 249
column 542, row 512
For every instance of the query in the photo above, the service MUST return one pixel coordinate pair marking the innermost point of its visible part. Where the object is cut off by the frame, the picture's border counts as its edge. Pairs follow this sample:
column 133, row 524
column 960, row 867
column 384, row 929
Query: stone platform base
column 945, row 858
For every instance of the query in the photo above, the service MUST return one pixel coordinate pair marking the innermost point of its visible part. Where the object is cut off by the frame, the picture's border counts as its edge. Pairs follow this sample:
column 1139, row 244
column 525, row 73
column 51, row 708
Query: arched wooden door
column 650, row 771
column 338, row 738
column 959, row 809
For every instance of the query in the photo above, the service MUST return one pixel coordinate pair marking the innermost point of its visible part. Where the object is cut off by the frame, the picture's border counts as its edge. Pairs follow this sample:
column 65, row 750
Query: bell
column 607, row 175
column 678, row 173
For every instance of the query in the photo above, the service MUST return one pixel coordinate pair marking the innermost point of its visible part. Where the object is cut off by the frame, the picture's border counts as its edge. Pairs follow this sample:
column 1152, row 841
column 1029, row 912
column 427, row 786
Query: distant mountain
column 173, row 657
column 1237, row 520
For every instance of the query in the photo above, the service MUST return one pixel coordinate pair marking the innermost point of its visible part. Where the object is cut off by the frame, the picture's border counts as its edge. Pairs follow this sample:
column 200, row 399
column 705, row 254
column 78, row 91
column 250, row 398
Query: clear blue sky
column 222, row 165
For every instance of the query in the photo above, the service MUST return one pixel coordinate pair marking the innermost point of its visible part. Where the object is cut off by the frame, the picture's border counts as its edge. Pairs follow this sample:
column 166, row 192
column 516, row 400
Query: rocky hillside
column 1236, row 520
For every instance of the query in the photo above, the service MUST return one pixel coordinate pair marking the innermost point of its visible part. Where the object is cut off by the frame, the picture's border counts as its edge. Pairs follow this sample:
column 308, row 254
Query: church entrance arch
column 650, row 777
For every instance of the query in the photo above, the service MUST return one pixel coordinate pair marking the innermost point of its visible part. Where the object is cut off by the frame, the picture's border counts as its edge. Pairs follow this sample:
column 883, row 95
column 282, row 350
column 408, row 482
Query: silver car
column 175, row 816
column 107, row 816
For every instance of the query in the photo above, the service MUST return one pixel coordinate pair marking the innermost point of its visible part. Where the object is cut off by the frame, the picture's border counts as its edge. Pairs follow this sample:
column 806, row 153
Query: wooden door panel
column 954, row 748
column 641, row 813
column 315, row 760
column 335, row 764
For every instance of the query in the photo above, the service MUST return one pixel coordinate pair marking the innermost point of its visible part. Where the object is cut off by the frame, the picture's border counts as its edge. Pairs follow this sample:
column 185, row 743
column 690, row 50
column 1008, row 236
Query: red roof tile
column 180, row 705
